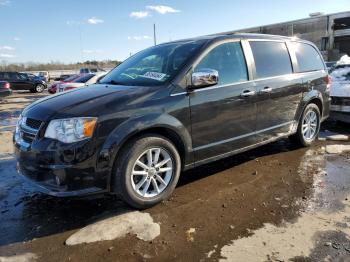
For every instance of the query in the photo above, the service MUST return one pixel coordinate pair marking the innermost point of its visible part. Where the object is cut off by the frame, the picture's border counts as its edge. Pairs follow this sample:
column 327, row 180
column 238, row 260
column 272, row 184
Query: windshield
column 153, row 66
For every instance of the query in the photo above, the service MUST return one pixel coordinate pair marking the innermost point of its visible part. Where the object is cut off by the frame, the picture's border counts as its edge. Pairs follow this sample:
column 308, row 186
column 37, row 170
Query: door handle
column 266, row 90
column 248, row 93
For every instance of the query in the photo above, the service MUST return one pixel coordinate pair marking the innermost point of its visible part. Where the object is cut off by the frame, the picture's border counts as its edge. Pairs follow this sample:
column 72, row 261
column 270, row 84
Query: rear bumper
column 340, row 116
column 6, row 92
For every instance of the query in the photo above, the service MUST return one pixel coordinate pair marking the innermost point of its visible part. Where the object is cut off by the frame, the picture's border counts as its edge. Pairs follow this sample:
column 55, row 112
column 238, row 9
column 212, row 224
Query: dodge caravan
column 169, row 108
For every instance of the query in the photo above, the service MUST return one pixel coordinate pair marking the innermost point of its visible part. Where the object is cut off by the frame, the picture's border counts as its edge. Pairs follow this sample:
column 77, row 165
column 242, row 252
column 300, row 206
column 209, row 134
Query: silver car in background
column 340, row 93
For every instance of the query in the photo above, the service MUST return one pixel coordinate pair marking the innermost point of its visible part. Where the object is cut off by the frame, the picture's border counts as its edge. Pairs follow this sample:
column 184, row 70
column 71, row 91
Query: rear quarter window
column 308, row 58
column 271, row 58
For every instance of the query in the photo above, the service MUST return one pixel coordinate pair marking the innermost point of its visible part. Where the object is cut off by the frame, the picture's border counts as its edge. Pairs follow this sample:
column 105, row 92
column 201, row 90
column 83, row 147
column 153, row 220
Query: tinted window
column 308, row 58
column 84, row 78
column 4, row 76
column 228, row 60
column 13, row 76
column 22, row 77
column 271, row 58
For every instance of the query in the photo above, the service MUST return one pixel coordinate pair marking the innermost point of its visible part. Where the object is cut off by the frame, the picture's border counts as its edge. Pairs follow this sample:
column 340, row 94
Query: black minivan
column 169, row 108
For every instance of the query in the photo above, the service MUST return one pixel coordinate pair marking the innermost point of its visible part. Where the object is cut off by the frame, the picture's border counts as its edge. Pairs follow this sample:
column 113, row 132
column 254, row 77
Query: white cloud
column 72, row 22
column 5, row 2
column 162, row 9
column 16, row 38
column 7, row 48
column 6, row 56
column 88, row 51
column 94, row 21
column 139, row 37
column 139, row 14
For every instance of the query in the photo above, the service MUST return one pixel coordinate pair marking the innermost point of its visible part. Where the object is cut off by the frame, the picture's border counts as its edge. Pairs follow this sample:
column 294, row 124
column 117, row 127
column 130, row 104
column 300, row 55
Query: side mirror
column 204, row 78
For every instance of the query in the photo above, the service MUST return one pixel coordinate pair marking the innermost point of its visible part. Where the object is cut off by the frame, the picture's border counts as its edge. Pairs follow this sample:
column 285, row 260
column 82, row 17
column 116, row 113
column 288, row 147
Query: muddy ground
column 276, row 203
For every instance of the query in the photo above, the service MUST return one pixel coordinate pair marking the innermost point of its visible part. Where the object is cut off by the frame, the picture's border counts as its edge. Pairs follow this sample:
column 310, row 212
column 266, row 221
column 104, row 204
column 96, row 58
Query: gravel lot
column 276, row 203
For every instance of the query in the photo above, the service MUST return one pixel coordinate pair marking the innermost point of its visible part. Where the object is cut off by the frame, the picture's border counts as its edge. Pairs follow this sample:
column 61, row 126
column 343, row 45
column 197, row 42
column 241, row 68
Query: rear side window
column 271, row 58
column 308, row 58
column 228, row 60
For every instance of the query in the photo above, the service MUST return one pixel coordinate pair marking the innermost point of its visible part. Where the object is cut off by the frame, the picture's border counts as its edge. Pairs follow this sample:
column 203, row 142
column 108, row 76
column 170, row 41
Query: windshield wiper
column 113, row 82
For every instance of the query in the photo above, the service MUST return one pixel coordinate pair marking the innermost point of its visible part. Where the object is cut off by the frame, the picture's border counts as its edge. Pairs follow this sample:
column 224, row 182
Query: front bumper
column 60, row 171
column 340, row 109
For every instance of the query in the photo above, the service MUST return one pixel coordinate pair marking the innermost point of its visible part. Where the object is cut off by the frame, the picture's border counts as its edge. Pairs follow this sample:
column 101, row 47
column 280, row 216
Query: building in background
column 331, row 33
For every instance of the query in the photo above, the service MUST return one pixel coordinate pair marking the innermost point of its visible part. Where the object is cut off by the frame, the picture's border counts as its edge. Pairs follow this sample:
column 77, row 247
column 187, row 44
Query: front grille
column 33, row 123
column 28, row 137
column 342, row 101
column 29, row 129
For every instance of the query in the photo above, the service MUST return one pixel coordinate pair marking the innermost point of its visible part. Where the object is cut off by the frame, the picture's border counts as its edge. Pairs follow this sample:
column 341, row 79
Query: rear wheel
column 309, row 125
column 147, row 171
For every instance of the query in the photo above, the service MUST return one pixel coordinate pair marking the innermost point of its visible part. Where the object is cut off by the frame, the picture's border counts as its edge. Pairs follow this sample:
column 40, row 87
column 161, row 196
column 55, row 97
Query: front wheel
column 39, row 88
column 309, row 126
column 147, row 171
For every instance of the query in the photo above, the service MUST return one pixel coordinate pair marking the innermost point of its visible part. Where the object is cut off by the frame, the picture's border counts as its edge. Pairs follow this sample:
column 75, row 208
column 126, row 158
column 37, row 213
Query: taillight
column 329, row 83
column 7, row 85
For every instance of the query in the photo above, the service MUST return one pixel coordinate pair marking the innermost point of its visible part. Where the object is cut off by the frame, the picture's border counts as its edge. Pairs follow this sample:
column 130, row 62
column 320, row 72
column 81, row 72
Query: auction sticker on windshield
column 154, row 75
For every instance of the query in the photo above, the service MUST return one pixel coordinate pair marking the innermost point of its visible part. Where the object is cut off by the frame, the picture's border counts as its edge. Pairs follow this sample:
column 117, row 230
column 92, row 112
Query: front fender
column 131, row 127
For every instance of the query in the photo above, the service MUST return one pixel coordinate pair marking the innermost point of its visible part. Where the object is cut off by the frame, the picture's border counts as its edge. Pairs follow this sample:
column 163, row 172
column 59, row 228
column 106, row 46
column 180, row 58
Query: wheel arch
column 161, row 124
column 312, row 97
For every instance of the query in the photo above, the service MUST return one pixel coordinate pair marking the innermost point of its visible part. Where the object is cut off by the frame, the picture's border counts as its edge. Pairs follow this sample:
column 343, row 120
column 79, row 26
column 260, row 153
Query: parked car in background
column 53, row 88
column 5, row 89
column 83, row 80
column 44, row 75
column 169, row 108
column 21, row 81
column 63, row 77
column 340, row 93
column 90, row 70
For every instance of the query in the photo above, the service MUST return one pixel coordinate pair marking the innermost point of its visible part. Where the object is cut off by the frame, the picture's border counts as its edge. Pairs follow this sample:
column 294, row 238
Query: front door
column 223, row 116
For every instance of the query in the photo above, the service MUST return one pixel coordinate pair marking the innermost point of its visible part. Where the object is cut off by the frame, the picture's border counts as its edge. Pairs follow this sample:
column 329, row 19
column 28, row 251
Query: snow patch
column 341, row 78
column 26, row 257
column 337, row 149
column 344, row 60
column 138, row 223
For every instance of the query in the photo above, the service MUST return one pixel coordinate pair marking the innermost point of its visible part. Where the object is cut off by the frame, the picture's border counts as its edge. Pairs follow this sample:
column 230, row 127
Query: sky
column 78, row 30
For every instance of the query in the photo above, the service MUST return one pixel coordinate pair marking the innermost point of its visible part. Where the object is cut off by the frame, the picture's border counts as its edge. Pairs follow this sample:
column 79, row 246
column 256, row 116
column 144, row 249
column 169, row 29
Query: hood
column 85, row 101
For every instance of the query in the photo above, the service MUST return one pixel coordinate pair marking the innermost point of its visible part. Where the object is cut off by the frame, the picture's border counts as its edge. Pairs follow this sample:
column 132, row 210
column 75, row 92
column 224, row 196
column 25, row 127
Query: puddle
column 323, row 220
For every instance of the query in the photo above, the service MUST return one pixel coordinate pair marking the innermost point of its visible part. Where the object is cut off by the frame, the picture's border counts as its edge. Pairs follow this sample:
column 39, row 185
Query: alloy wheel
column 310, row 125
column 39, row 88
column 152, row 172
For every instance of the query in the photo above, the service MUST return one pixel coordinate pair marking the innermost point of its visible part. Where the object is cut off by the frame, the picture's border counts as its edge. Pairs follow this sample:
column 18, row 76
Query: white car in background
column 340, row 90
column 83, row 80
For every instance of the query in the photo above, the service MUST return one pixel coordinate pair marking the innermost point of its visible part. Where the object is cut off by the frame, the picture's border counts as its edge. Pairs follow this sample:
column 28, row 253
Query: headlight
column 72, row 129
column 18, row 124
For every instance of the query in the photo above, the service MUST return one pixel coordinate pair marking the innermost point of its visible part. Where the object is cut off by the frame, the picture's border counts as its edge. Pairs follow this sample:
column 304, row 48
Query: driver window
column 228, row 59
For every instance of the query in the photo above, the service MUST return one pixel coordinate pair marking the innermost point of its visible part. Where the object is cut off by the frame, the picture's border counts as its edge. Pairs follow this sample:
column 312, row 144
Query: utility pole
column 154, row 34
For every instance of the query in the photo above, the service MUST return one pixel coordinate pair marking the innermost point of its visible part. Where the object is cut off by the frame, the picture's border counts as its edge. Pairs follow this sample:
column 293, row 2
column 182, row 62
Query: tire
column 39, row 88
column 134, row 184
column 304, row 138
